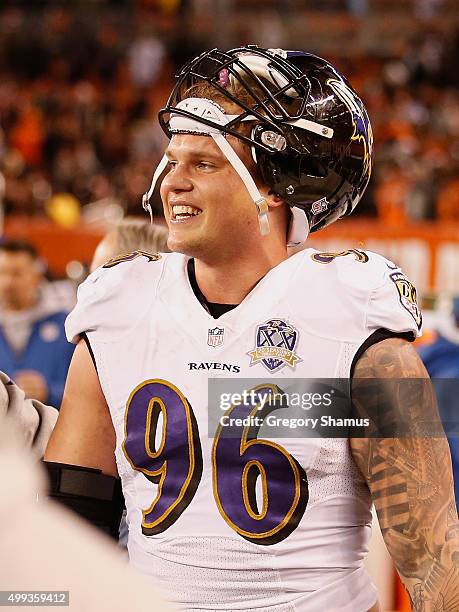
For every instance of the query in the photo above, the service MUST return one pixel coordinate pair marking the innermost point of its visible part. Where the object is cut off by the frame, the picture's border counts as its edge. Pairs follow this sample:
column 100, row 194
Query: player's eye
column 171, row 165
column 204, row 165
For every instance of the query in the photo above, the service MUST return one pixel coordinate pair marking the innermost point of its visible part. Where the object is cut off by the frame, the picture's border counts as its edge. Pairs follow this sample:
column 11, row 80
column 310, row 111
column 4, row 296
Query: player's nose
column 178, row 179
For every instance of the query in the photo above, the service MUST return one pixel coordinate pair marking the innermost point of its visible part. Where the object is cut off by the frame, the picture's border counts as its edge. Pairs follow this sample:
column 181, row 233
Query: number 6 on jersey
column 239, row 459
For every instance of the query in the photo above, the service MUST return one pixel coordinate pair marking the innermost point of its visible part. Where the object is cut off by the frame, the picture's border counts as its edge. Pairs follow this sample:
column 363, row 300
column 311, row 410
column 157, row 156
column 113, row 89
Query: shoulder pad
column 393, row 302
column 115, row 296
column 353, row 267
column 379, row 285
column 125, row 257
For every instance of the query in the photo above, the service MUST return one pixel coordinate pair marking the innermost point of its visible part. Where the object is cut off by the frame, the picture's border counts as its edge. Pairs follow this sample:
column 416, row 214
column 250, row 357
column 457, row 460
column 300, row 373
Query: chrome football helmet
column 307, row 129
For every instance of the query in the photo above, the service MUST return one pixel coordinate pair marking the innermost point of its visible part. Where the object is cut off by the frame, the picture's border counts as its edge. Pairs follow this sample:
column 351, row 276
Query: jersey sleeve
column 393, row 304
column 113, row 298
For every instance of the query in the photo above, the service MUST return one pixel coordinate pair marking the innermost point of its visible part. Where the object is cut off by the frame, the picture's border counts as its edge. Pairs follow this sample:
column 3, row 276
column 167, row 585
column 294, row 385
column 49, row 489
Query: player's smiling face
column 207, row 207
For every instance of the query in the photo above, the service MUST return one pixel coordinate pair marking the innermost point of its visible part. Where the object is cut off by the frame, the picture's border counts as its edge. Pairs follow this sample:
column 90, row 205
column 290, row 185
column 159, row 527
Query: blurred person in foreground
column 33, row 347
column 265, row 146
column 130, row 235
column 440, row 355
column 32, row 420
column 56, row 551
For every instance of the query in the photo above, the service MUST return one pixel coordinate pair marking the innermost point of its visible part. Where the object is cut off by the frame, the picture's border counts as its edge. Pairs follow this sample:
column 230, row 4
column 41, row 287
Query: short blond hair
column 130, row 235
column 135, row 234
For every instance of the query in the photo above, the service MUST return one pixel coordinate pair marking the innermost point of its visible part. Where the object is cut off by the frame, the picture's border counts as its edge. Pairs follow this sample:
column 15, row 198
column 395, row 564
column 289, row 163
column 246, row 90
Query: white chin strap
column 178, row 124
column 235, row 161
column 147, row 196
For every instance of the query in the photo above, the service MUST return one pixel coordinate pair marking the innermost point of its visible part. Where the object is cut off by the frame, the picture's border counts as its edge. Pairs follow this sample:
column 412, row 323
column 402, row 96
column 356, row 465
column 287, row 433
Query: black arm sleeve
column 95, row 496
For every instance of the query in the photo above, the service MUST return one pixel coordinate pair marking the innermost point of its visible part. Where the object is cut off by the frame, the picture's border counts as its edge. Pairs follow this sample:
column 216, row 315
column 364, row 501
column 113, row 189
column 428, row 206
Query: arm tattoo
column 409, row 476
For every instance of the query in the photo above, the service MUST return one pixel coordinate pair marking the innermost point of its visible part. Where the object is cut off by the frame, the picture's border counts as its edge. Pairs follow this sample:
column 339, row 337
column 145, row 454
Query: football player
column 266, row 145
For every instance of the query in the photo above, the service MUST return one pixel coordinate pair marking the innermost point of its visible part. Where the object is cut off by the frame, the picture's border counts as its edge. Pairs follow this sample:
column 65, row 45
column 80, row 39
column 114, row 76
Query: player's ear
column 273, row 199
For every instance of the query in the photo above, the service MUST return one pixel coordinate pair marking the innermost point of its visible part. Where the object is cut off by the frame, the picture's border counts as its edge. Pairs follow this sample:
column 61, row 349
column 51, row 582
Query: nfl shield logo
column 319, row 206
column 215, row 336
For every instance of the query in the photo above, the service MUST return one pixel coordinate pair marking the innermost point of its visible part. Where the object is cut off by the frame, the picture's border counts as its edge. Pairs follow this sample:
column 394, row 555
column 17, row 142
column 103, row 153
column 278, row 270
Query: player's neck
column 229, row 282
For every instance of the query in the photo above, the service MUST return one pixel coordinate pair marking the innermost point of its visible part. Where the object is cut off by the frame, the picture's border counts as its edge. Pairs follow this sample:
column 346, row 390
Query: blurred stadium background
column 81, row 83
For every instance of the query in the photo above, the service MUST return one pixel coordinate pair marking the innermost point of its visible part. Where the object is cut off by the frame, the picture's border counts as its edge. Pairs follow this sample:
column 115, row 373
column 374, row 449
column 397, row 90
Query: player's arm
column 80, row 456
column 409, row 476
column 84, row 433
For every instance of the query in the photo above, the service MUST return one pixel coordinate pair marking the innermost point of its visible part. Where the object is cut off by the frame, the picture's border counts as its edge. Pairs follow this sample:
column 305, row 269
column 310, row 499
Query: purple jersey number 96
column 239, row 460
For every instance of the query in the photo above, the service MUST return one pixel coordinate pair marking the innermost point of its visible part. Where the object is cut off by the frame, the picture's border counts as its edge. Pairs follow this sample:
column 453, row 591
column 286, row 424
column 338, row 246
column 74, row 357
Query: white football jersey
column 239, row 522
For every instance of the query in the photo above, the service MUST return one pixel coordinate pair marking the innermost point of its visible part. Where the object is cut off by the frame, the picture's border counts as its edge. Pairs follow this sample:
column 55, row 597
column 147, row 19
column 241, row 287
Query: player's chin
column 182, row 242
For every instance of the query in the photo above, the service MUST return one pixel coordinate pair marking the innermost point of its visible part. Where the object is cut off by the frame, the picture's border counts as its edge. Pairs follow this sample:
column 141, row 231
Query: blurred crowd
column 79, row 98
column 413, row 101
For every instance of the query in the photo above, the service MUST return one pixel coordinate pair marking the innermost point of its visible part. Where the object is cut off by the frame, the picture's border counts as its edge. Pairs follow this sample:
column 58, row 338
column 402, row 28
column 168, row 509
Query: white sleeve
column 88, row 314
column 114, row 297
column 393, row 304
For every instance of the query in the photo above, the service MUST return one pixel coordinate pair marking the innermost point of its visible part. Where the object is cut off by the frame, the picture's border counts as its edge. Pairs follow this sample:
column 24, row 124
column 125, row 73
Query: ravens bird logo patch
column 408, row 296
